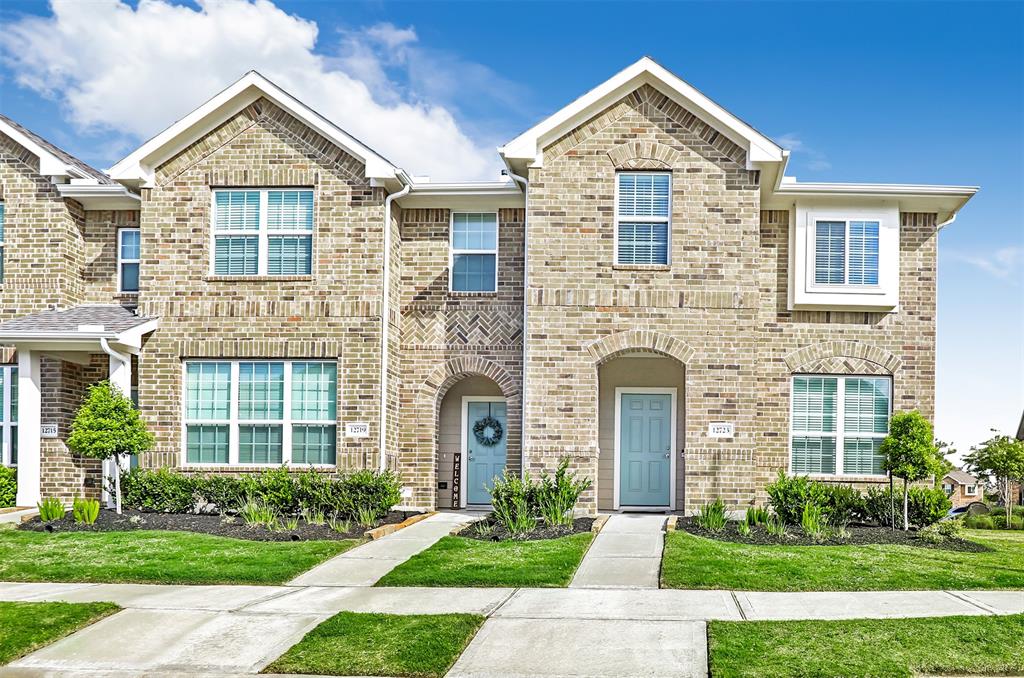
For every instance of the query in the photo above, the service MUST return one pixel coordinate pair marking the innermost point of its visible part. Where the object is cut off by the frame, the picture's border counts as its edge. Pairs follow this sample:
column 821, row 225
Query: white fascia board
column 946, row 201
column 470, row 195
column 49, row 164
column 140, row 164
column 529, row 145
column 101, row 196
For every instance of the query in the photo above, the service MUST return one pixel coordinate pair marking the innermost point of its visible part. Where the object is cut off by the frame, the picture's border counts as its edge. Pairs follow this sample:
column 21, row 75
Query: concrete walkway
column 222, row 630
column 366, row 564
column 625, row 554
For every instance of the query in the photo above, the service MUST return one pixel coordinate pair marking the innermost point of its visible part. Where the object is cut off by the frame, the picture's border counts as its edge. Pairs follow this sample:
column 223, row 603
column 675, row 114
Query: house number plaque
column 721, row 429
column 358, row 429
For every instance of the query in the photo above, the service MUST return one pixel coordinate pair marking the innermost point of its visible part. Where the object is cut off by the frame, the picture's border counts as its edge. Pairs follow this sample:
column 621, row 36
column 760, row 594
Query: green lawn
column 156, row 557
column 867, row 647
column 460, row 561
column 363, row 644
column 26, row 627
column 692, row 562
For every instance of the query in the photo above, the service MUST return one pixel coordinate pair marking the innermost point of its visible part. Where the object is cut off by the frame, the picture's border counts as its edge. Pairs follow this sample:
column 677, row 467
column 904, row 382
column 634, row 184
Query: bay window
column 260, row 412
column 262, row 232
column 838, row 424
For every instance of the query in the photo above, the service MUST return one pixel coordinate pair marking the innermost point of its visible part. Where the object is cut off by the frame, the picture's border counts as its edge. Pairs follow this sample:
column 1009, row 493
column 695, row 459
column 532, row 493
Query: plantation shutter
column 863, row 253
column 290, row 255
column 830, row 253
column 642, row 214
column 814, row 418
column 314, row 398
column 290, row 210
column 866, row 416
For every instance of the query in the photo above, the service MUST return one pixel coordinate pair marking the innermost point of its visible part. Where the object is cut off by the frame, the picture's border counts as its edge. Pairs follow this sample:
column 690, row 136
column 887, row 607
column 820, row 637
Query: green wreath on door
column 488, row 431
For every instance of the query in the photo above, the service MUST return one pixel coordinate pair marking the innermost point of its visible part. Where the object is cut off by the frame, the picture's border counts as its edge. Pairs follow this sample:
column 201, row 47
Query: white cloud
column 136, row 70
column 815, row 160
column 1004, row 263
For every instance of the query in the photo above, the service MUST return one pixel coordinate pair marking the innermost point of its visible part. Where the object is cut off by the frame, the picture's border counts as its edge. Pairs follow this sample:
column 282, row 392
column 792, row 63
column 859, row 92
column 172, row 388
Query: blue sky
column 915, row 92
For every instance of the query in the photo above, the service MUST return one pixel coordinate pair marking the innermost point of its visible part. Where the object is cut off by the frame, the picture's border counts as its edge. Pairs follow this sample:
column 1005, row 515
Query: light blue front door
column 645, row 449
column 486, row 448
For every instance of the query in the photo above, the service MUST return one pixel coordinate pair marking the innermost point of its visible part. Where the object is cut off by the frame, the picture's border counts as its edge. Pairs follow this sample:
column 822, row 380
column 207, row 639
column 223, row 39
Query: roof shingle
column 113, row 318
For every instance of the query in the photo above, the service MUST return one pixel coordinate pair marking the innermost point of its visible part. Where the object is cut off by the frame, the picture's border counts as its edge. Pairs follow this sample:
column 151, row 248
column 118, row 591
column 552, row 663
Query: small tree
column 910, row 453
column 108, row 425
column 999, row 460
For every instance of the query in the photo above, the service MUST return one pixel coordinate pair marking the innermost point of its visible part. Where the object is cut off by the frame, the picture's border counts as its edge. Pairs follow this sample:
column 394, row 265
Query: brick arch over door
column 843, row 357
column 648, row 341
column 433, row 390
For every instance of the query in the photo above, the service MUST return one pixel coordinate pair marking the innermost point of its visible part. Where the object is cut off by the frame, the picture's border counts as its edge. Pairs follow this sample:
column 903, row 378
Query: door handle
column 668, row 454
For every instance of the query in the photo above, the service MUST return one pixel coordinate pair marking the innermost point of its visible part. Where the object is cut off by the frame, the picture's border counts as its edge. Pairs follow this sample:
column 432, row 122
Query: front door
column 645, row 449
column 486, row 435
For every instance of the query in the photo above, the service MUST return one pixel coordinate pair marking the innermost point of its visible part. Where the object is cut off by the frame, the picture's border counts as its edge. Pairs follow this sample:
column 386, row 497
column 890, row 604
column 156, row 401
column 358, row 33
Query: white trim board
column 464, row 445
column 663, row 390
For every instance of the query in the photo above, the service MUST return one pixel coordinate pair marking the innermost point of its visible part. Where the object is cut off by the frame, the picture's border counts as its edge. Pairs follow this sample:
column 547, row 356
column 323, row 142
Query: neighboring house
column 646, row 292
column 962, row 488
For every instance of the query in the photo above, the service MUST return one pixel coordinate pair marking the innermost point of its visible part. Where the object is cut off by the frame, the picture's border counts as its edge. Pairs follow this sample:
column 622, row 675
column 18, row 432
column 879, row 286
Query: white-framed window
column 129, row 254
column 971, row 490
column 947, row 488
column 9, row 415
column 837, row 424
column 473, row 252
column 846, row 252
column 643, row 208
column 260, row 412
column 2, row 241
column 263, row 231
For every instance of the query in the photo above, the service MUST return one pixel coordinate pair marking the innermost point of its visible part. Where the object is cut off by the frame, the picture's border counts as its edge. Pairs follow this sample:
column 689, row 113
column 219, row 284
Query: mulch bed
column 220, row 526
column 498, row 533
column 858, row 536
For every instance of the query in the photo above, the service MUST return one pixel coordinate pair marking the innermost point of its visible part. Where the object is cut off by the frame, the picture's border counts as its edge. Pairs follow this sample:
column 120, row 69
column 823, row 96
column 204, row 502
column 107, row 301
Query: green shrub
column 926, row 506
column 743, row 528
column 50, row 508
column 85, row 511
column 273, row 487
column 161, row 490
column 514, row 502
column 931, row 534
column 789, row 494
column 980, row 522
column 224, row 492
column 951, row 529
column 757, row 515
column 811, row 520
column 8, row 486
column 712, row 516
column 375, row 491
column 842, row 505
column 557, row 495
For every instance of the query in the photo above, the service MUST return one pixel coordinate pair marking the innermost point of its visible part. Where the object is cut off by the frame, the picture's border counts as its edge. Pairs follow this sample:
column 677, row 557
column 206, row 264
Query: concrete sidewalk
column 625, row 554
column 235, row 630
column 366, row 564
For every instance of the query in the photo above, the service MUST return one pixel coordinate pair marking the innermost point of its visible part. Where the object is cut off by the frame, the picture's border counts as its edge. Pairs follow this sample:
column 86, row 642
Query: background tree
column 910, row 453
column 107, row 425
column 945, row 465
column 999, row 460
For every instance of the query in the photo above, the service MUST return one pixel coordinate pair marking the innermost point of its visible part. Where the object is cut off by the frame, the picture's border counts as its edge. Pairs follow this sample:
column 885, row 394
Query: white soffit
column 529, row 145
column 140, row 164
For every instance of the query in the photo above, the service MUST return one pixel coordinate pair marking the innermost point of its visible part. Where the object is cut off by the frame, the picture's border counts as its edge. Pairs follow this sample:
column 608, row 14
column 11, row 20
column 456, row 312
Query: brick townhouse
column 645, row 291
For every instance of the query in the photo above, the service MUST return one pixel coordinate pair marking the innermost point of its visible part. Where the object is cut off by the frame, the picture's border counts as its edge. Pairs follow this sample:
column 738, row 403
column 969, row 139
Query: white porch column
column 29, row 419
column 120, row 375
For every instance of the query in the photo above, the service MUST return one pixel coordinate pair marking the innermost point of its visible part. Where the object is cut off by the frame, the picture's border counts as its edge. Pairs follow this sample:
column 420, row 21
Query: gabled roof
column 109, row 319
column 140, row 165
column 53, row 161
column 962, row 477
column 529, row 145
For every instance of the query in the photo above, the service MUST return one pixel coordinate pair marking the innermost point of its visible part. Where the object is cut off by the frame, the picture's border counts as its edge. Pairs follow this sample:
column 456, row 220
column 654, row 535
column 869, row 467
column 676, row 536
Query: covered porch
column 58, row 354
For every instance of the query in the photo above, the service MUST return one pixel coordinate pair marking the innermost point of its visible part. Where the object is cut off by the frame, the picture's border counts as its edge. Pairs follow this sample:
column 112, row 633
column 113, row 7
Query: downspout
column 385, row 313
column 524, row 182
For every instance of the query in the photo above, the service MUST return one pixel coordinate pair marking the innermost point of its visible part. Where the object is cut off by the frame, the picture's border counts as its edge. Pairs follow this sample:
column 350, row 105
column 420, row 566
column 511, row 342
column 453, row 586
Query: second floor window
column 643, row 206
column 262, row 232
column 846, row 252
column 474, row 252
column 128, row 255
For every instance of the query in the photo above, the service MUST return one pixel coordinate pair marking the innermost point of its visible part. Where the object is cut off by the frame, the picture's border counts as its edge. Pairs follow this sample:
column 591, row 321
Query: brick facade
column 718, row 311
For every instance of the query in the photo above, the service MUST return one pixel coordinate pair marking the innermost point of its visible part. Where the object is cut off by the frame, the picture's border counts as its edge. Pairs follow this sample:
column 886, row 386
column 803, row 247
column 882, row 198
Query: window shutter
column 290, row 210
column 290, row 255
column 863, row 253
column 236, row 255
column 237, row 210
column 830, row 253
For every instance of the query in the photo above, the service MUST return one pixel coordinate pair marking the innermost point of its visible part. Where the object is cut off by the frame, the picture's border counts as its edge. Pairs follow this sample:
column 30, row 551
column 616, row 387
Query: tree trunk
column 1009, row 503
column 906, row 506
column 117, row 482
